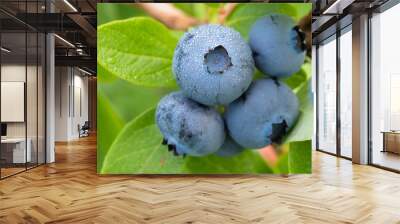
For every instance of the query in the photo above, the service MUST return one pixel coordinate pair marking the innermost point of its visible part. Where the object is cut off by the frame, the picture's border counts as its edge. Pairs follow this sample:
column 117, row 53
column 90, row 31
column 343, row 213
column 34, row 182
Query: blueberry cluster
column 220, row 109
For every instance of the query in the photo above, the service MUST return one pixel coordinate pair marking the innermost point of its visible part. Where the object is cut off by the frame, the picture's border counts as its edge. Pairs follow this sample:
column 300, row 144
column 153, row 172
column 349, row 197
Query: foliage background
column 134, row 71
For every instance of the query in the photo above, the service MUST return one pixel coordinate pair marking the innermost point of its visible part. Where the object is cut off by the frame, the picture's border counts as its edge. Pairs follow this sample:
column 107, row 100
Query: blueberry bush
column 135, row 70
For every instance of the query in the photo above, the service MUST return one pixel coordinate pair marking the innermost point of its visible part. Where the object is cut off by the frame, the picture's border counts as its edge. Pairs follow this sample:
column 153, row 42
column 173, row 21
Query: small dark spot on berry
column 168, row 117
column 171, row 147
column 164, row 141
column 301, row 36
column 243, row 97
column 255, row 54
column 276, row 81
column 184, row 132
column 273, row 19
column 189, row 36
column 278, row 131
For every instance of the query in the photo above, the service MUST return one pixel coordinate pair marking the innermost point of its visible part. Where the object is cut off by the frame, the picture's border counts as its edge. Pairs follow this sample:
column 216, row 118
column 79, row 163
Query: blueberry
column 229, row 148
column 278, row 45
column 213, row 65
column 263, row 114
column 189, row 127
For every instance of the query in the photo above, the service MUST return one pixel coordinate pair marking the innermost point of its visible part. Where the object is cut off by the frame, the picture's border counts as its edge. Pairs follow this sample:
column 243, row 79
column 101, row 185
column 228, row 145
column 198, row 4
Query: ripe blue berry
column 263, row 114
column 278, row 45
column 229, row 148
column 189, row 127
column 213, row 65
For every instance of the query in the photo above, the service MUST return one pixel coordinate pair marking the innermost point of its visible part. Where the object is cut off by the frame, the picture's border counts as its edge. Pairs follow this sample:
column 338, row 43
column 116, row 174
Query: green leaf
column 130, row 100
column 299, row 157
column 297, row 79
column 103, row 75
column 295, row 158
column 283, row 164
column 215, row 5
column 107, row 12
column 139, row 50
column 138, row 150
column 298, row 141
column 116, row 106
column 178, row 34
column 245, row 14
column 247, row 162
column 108, row 120
column 303, row 128
column 302, row 9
